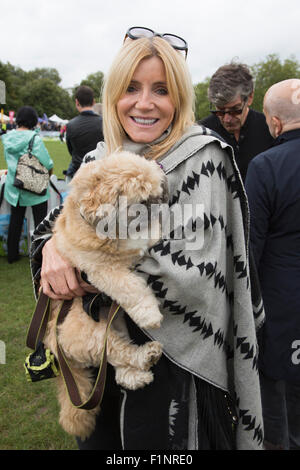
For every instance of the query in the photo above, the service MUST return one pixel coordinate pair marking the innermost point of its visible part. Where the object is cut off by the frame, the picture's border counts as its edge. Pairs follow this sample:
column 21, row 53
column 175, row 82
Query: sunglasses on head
column 137, row 32
column 231, row 112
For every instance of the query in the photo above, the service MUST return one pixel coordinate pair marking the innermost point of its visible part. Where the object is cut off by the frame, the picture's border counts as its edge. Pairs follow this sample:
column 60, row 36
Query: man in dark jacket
column 230, row 94
column 84, row 131
column 273, row 188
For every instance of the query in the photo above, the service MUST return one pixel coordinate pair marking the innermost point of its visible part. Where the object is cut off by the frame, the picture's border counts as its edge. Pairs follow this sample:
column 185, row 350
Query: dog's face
column 114, row 187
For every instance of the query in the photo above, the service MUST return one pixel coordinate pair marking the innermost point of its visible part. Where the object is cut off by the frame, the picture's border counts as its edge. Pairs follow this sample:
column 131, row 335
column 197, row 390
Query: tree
column 94, row 81
column 14, row 78
column 201, row 100
column 272, row 70
column 47, row 97
column 39, row 73
column 38, row 88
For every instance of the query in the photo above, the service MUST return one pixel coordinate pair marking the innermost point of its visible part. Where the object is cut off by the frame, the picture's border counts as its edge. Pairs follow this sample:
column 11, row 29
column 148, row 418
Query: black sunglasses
column 231, row 112
column 137, row 32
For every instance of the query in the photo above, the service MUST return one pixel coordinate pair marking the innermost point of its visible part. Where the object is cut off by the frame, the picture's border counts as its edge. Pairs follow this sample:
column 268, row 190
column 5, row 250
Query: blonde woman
column 205, row 393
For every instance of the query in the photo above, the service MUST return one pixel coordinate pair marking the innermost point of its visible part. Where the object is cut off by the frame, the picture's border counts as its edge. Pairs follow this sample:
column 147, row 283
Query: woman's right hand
column 59, row 278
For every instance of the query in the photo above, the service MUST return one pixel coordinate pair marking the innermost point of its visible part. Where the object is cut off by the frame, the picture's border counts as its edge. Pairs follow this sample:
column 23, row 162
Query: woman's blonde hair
column 179, row 86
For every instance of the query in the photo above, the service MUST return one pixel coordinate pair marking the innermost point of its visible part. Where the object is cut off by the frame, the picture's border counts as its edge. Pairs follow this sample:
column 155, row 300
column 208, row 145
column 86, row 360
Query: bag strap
column 2, row 193
column 36, row 333
column 56, row 190
column 31, row 142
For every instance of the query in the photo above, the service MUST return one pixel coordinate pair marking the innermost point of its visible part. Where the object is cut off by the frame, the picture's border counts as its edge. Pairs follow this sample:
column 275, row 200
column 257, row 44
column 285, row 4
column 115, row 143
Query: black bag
column 31, row 175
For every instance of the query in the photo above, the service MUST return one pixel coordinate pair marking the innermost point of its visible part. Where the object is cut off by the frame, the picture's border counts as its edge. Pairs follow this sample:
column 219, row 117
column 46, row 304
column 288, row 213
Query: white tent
column 55, row 118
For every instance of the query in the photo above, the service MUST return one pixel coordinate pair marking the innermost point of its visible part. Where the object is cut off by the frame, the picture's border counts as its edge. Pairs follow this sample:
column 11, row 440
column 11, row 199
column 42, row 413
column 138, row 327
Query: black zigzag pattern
column 188, row 185
column 239, row 265
column 245, row 348
column 249, row 422
column 240, row 268
column 208, row 169
column 210, row 220
column 208, row 269
column 46, row 224
column 197, row 322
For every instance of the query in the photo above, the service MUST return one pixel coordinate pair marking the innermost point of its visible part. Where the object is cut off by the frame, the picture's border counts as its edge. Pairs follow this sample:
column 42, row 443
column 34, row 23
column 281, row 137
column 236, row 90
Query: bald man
column 273, row 188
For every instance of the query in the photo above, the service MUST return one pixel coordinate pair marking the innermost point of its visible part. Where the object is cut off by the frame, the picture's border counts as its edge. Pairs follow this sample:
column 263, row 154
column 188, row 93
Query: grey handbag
column 31, row 175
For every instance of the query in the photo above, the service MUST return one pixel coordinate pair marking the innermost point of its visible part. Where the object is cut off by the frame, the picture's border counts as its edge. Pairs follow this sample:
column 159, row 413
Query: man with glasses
column 231, row 93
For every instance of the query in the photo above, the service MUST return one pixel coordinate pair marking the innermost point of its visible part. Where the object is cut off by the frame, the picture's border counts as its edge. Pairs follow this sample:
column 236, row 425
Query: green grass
column 28, row 411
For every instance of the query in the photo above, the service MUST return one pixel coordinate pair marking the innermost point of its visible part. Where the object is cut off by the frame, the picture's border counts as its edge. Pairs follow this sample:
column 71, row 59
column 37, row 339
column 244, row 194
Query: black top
column 254, row 138
column 83, row 134
column 273, row 189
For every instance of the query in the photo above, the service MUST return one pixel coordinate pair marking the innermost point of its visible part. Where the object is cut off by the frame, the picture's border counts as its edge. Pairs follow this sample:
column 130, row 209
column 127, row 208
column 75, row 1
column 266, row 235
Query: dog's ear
column 136, row 186
column 95, row 206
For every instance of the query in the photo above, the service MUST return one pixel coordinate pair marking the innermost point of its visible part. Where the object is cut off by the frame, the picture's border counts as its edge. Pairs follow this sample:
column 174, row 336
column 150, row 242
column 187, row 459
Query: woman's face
column 146, row 110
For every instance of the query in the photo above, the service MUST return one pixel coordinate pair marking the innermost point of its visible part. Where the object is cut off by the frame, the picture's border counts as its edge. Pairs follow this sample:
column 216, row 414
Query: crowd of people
column 229, row 374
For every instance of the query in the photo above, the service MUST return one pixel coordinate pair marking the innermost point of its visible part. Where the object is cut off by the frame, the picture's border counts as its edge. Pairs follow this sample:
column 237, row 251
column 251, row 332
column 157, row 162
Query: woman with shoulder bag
column 16, row 144
column 205, row 393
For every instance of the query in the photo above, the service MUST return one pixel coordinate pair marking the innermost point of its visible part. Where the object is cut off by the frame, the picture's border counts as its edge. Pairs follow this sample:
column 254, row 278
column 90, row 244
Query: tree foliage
column 38, row 88
column 94, row 81
column 272, row 70
column 48, row 98
column 201, row 100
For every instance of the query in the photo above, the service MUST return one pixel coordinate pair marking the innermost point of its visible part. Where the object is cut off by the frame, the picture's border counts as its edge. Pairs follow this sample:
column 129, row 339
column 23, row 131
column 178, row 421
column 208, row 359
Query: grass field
column 28, row 411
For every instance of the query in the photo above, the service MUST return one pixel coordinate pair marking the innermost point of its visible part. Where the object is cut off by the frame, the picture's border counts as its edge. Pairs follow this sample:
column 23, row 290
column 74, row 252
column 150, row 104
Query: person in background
column 273, row 189
column 98, row 108
column 231, row 92
column 84, row 131
column 62, row 132
column 205, row 393
column 15, row 144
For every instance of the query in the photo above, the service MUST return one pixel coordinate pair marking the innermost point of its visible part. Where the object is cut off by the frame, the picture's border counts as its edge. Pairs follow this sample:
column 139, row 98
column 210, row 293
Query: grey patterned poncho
column 209, row 299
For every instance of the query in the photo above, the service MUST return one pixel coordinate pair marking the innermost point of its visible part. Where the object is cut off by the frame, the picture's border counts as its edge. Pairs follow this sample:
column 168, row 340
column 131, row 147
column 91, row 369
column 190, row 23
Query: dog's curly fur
column 107, row 263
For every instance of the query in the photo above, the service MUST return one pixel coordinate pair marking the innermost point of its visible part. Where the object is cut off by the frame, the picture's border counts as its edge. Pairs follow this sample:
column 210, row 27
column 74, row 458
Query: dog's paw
column 149, row 318
column 132, row 379
column 152, row 352
column 153, row 322
column 146, row 313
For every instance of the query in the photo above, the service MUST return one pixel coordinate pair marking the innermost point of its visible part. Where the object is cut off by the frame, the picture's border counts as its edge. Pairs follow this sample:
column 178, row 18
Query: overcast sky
column 79, row 37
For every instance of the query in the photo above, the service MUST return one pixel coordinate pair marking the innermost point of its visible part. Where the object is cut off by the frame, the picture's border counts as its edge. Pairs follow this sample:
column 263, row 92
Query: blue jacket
column 273, row 188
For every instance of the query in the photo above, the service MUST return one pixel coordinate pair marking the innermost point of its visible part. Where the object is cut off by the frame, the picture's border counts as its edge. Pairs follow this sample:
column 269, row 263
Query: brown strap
column 97, row 393
column 38, row 324
column 36, row 333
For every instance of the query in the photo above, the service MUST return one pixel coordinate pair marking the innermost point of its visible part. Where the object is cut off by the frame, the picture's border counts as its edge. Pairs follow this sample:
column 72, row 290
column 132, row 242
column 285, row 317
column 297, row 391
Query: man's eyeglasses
column 231, row 112
column 137, row 32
